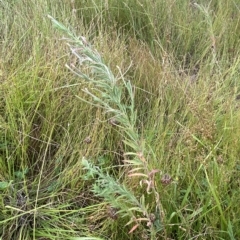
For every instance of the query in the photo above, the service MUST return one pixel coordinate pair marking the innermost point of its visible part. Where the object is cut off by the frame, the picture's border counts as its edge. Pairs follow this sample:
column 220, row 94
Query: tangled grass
column 137, row 139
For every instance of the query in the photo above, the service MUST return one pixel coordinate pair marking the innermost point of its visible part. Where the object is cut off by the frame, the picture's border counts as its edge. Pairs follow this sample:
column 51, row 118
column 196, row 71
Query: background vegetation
column 138, row 138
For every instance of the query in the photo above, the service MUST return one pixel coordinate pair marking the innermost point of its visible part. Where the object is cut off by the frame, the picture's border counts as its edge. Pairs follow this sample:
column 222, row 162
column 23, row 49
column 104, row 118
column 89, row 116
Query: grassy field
column 119, row 119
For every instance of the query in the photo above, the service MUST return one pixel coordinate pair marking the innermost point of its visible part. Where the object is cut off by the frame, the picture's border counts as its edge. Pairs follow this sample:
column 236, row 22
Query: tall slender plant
column 108, row 94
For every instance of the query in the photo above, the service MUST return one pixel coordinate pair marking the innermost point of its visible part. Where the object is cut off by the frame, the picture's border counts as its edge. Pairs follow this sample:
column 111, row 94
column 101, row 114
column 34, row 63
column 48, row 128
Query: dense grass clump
column 119, row 119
